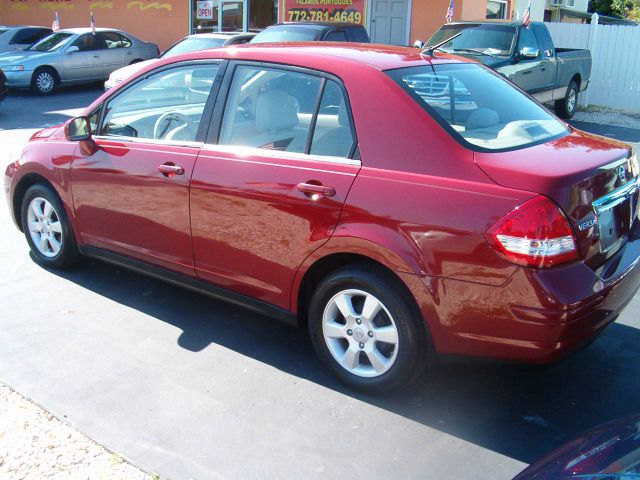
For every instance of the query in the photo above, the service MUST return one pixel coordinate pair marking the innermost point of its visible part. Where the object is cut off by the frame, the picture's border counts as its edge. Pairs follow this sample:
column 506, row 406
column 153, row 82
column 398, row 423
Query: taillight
column 535, row 234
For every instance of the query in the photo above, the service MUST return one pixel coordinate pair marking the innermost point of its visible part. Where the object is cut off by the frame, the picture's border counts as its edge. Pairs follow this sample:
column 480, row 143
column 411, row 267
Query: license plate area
column 616, row 213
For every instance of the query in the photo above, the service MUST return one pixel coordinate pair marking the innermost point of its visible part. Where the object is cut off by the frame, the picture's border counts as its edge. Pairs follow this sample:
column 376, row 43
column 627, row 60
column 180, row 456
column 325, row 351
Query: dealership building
column 399, row 22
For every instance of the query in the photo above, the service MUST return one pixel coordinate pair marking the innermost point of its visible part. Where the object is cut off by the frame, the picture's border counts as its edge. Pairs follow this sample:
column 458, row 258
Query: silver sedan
column 72, row 56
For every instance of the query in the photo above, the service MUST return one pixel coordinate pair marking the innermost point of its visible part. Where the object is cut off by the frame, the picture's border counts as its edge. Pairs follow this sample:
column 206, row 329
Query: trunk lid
column 593, row 180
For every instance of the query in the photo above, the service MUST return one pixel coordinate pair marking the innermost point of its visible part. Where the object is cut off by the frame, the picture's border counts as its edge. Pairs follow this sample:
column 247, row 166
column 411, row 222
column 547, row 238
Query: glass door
column 233, row 15
column 204, row 16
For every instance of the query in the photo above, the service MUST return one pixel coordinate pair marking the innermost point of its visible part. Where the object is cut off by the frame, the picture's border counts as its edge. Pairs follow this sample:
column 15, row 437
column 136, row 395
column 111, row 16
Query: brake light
column 535, row 234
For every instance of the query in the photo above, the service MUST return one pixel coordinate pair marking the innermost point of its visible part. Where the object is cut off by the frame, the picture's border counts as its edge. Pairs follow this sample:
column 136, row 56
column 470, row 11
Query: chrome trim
column 618, row 196
column 151, row 141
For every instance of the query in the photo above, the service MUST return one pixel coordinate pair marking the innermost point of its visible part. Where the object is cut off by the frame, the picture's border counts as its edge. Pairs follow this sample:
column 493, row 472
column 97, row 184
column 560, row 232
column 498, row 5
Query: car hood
column 21, row 56
column 608, row 452
column 125, row 72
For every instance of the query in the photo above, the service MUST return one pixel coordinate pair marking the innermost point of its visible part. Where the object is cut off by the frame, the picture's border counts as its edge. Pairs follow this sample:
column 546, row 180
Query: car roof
column 327, row 56
column 315, row 25
column 23, row 26
column 224, row 35
column 512, row 23
column 78, row 31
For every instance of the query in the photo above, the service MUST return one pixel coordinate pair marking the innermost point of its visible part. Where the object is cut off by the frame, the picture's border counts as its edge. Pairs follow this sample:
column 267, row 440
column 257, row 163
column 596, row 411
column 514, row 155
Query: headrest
column 275, row 110
column 482, row 118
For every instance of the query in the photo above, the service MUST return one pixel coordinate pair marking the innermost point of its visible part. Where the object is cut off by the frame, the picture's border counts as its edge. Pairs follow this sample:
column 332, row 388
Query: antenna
column 431, row 48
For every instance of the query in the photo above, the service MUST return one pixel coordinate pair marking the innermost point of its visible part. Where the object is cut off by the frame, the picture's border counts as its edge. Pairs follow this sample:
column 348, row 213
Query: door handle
column 169, row 169
column 543, row 68
column 527, row 72
column 311, row 189
column 96, row 56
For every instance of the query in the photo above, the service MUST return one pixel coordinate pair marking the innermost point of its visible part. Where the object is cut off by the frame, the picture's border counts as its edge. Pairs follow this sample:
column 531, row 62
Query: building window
column 571, row 3
column 496, row 9
column 229, row 15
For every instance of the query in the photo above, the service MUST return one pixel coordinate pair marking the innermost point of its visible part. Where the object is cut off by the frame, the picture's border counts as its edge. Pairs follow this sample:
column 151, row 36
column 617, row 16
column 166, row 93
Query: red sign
column 347, row 11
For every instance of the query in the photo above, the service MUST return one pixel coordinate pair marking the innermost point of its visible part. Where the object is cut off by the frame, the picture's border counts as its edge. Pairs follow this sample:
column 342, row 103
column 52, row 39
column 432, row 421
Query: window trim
column 205, row 121
column 213, row 135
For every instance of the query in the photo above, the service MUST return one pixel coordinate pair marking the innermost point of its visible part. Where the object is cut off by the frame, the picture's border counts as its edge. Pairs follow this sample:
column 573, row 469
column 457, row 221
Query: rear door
column 269, row 185
column 113, row 52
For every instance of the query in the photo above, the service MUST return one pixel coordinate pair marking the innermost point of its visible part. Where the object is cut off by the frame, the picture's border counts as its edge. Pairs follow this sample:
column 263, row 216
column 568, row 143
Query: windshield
column 286, row 33
column 489, row 39
column 2, row 30
column 51, row 43
column 478, row 107
column 191, row 44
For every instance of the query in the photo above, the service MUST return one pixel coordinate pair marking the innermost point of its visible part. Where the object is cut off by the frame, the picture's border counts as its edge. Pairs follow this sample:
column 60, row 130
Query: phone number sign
column 346, row 11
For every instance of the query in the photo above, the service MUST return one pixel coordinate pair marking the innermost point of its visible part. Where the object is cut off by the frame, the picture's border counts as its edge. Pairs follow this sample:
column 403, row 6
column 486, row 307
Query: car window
column 544, row 40
column 336, row 36
column 167, row 105
column 27, row 36
column 110, row 40
column 270, row 108
column 462, row 98
column 527, row 39
column 52, row 43
column 287, row 33
column 333, row 133
column 191, row 44
column 489, row 38
column 239, row 40
column 87, row 42
column 126, row 43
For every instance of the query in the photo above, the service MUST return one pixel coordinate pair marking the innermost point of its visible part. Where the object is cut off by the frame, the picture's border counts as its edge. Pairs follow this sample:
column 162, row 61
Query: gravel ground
column 36, row 445
column 605, row 116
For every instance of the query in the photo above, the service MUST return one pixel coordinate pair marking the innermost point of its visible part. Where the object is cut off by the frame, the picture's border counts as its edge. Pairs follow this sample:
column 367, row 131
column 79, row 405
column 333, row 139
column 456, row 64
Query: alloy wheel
column 360, row 333
column 45, row 82
column 44, row 227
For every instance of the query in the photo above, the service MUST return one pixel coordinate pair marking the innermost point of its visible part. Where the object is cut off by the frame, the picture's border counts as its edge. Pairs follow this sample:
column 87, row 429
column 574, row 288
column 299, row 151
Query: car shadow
column 518, row 411
column 42, row 111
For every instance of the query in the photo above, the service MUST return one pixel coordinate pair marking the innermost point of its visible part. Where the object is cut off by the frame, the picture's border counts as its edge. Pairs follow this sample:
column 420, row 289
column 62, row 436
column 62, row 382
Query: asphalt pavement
column 190, row 387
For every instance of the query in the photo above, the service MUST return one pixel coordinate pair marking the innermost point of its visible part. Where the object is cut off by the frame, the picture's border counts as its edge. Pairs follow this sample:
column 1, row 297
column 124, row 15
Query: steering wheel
column 171, row 124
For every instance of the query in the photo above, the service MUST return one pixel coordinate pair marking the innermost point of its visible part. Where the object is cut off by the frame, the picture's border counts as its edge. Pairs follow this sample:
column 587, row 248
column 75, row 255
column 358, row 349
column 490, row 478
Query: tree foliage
column 616, row 8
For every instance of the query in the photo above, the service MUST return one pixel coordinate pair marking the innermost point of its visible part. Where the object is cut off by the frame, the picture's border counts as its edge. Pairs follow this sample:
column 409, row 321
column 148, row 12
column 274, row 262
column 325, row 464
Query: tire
column 47, row 229
column 351, row 346
column 566, row 107
column 44, row 81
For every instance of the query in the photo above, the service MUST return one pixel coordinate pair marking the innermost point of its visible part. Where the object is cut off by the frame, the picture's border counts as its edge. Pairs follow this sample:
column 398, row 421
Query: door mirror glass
column 418, row 44
column 529, row 52
column 78, row 130
column 72, row 49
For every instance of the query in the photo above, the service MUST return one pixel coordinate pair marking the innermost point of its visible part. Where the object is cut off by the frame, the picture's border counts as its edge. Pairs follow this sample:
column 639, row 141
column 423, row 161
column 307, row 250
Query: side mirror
column 529, row 52
column 418, row 44
column 78, row 130
column 72, row 48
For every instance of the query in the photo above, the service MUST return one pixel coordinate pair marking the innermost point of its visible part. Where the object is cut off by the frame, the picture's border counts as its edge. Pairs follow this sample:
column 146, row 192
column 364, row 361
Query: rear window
column 286, row 33
column 192, row 44
column 477, row 107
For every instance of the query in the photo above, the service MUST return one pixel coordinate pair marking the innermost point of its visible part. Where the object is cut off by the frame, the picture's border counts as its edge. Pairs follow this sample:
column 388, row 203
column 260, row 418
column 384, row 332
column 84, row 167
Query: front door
column 268, row 190
column 389, row 21
column 131, row 191
column 528, row 72
column 86, row 62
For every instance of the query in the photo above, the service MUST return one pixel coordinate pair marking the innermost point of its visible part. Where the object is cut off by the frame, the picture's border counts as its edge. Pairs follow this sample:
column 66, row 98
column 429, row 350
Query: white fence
column 615, row 75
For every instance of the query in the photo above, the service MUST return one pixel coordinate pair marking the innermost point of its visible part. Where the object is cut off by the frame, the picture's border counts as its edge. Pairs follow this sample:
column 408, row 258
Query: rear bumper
column 537, row 316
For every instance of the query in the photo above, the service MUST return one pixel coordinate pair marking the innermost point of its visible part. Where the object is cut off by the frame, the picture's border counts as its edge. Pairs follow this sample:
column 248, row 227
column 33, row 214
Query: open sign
column 204, row 10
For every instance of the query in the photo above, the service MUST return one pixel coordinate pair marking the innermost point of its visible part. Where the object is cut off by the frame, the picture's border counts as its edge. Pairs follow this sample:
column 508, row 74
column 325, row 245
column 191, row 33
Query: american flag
column 449, row 16
column 55, row 26
column 526, row 18
column 93, row 24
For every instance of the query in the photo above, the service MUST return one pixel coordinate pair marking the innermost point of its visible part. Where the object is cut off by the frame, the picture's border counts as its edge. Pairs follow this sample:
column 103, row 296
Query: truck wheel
column 365, row 329
column 44, row 81
column 566, row 107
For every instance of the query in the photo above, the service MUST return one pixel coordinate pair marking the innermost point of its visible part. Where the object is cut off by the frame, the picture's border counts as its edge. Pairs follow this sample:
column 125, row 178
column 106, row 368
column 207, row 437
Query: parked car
column 608, row 452
column 18, row 37
column 312, row 32
column 3, row 86
column 394, row 229
column 72, row 56
column 191, row 43
column 526, row 56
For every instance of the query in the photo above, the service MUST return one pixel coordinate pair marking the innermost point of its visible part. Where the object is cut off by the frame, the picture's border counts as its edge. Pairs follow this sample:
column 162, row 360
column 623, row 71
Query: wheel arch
column 49, row 67
column 576, row 78
column 27, row 181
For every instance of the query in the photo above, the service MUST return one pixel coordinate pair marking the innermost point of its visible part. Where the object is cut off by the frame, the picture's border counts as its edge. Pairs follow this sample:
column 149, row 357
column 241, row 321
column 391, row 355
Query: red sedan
column 397, row 205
